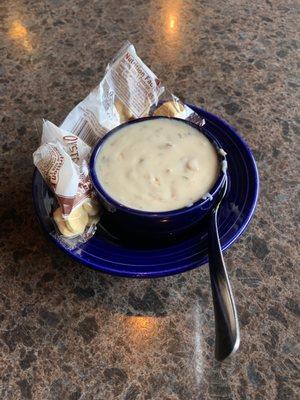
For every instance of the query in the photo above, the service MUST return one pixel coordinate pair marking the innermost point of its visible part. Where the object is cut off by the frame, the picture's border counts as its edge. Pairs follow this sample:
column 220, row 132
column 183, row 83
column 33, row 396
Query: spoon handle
column 226, row 322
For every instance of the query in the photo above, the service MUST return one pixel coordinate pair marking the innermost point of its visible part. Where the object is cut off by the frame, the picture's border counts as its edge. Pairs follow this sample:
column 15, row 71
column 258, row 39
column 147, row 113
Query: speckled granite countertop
column 70, row 333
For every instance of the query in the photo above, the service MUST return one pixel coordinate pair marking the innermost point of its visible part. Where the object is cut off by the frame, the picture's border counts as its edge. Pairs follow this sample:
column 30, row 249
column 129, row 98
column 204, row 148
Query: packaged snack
column 129, row 90
column 64, row 168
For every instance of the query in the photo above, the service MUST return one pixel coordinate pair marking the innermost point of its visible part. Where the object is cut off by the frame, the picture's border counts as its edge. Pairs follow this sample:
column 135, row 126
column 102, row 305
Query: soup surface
column 157, row 165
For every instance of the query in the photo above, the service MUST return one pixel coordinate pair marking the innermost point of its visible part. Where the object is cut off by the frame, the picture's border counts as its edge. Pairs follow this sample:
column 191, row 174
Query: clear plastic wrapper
column 129, row 90
column 62, row 161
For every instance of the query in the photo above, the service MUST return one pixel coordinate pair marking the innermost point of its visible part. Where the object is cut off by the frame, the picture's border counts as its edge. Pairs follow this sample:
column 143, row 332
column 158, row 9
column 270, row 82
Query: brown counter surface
column 69, row 333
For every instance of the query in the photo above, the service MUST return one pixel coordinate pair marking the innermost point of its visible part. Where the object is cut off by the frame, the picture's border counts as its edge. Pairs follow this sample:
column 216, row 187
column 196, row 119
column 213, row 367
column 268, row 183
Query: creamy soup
column 157, row 165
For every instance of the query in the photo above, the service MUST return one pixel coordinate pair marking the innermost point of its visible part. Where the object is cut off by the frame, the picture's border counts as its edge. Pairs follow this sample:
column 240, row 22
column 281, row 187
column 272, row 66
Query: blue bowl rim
column 152, row 214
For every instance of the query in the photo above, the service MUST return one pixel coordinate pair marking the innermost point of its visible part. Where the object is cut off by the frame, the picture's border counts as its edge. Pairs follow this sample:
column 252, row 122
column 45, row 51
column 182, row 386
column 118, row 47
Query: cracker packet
column 129, row 90
column 62, row 160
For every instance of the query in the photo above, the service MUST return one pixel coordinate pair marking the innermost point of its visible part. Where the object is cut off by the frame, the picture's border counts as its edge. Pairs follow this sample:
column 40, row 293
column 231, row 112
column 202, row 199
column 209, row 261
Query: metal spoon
column 227, row 334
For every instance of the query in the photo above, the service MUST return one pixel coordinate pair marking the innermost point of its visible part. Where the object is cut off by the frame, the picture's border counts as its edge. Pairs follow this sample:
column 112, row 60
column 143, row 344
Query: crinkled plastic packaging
column 129, row 90
column 62, row 160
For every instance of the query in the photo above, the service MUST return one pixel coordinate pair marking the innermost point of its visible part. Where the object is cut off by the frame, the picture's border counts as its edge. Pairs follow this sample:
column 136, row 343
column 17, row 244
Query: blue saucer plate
column 108, row 253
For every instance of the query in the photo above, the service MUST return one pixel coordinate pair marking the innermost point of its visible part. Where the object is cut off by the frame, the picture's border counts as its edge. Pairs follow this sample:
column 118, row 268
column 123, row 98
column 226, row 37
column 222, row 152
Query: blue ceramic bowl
column 146, row 259
column 158, row 224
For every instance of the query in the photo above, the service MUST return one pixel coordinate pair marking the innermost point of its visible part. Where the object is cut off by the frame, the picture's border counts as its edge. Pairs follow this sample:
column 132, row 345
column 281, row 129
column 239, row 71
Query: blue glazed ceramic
column 107, row 253
column 159, row 224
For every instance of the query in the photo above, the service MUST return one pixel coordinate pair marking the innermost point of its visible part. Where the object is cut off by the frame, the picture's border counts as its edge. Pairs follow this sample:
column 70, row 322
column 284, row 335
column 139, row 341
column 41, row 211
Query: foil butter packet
column 129, row 90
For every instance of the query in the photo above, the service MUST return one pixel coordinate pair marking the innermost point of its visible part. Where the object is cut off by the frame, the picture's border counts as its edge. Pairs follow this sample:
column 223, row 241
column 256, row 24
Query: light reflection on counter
column 141, row 332
column 198, row 357
column 171, row 16
column 141, row 328
column 169, row 25
column 19, row 33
